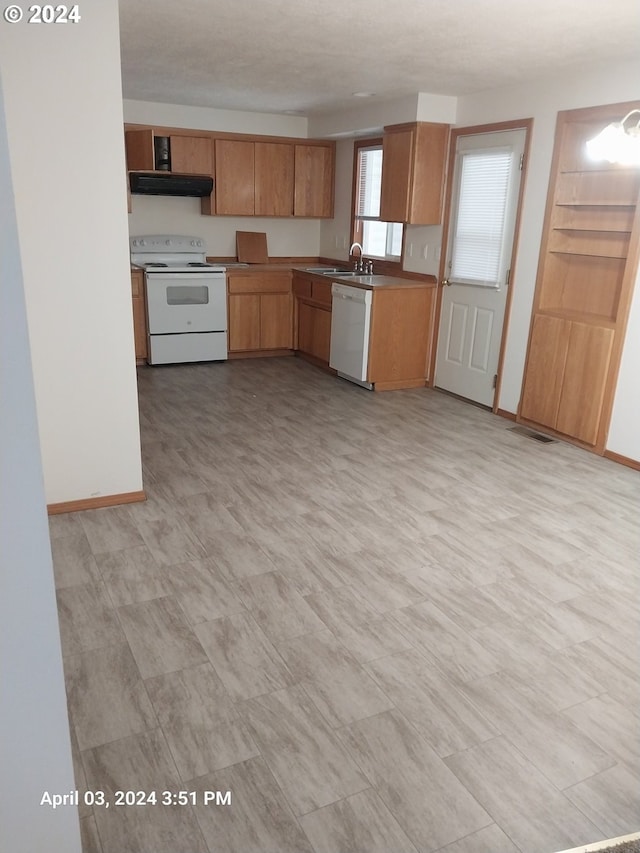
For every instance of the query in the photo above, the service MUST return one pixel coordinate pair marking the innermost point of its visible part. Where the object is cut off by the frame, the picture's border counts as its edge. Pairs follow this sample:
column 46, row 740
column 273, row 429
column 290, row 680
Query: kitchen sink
column 325, row 270
column 342, row 273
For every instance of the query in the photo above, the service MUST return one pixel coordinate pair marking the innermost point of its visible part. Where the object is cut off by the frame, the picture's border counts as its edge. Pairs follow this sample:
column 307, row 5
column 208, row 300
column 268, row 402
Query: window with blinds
column 379, row 239
column 478, row 237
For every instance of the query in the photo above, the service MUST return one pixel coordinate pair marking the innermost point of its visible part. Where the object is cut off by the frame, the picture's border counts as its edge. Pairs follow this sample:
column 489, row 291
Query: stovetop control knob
column 193, row 243
column 168, row 242
column 143, row 242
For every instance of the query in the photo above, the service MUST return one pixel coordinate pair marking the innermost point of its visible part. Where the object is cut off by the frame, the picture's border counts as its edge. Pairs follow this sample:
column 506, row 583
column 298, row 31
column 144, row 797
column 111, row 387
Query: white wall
column 64, row 117
column 35, row 753
column 542, row 99
column 165, row 215
column 335, row 234
column 369, row 115
column 207, row 118
column 160, row 215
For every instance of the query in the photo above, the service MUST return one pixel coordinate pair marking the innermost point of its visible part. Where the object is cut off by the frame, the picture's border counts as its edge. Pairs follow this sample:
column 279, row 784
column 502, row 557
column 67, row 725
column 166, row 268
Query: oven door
column 186, row 302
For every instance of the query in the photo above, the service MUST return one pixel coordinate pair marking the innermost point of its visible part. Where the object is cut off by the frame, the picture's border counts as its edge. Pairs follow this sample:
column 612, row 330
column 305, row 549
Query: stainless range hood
column 155, row 183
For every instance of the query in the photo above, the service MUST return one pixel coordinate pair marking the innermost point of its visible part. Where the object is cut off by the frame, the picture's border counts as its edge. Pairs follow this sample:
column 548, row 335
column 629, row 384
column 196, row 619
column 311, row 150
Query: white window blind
column 369, row 183
column 379, row 239
column 482, row 207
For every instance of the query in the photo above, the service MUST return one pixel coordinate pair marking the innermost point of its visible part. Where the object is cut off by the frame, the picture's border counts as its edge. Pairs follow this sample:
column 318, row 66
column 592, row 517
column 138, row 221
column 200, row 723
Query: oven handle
column 191, row 277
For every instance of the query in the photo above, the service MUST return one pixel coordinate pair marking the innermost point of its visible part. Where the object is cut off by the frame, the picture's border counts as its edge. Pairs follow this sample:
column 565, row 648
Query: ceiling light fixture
column 617, row 143
column 363, row 94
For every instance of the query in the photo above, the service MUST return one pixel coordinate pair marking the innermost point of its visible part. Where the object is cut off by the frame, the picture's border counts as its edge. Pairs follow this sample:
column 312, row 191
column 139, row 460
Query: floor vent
column 536, row 436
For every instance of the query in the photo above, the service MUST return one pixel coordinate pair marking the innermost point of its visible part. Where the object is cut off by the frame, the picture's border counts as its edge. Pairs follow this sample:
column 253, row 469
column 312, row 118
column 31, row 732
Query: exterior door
column 486, row 187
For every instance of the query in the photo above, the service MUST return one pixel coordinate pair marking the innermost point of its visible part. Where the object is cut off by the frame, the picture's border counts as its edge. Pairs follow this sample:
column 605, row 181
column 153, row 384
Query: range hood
column 154, row 183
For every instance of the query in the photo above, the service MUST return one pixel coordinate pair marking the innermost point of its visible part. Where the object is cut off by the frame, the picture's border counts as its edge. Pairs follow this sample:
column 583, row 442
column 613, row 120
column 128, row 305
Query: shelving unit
column 588, row 261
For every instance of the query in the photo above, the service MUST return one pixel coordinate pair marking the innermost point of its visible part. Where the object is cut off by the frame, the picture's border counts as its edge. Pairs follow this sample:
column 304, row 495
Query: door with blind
column 486, row 186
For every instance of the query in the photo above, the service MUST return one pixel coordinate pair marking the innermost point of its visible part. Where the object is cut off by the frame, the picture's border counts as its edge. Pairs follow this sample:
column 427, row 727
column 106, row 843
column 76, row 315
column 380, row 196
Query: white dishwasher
column 350, row 324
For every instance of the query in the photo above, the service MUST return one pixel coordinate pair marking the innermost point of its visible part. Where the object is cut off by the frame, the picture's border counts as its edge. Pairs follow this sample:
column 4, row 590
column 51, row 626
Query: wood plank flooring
column 384, row 622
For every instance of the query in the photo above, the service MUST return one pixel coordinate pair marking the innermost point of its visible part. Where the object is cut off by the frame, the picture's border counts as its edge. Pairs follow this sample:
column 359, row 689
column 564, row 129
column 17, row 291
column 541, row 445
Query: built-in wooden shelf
column 586, row 273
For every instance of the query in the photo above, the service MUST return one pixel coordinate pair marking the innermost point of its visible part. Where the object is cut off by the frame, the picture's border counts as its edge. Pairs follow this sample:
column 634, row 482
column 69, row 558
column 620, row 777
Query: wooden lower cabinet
column 312, row 318
column 566, row 376
column 400, row 337
column 139, row 315
column 276, row 327
column 244, row 322
column 545, row 374
column 314, row 331
column 260, row 312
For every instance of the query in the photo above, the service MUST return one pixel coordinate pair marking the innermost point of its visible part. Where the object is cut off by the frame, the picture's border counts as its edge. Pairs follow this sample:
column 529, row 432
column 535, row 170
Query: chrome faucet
column 357, row 265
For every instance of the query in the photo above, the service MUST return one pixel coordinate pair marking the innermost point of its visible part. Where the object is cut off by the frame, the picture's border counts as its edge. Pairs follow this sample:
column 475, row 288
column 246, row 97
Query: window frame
column 356, row 224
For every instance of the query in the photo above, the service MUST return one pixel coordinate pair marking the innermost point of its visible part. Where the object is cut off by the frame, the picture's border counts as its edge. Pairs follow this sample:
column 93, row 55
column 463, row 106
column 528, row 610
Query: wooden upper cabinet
column 314, row 179
column 253, row 176
column 413, row 172
column 139, row 150
column 188, row 154
column 273, row 179
column 234, row 177
column 191, row 155
column 397, row 160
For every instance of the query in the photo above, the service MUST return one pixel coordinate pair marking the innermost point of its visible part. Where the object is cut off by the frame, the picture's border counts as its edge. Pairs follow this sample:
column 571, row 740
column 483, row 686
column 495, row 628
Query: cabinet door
column 276, row 325
column 139, row 327
column 305, row 327
column 139, row 148
column 397, row 161
column 235, row 177
column 139, row 314
column 191, row 155
column 413, row 169
column 585, row 380
column 244, row 322
column 314, row 177
column 400, row 334
column 426, row 194
column 545, row 370
column 273, row 179
column 314, row 331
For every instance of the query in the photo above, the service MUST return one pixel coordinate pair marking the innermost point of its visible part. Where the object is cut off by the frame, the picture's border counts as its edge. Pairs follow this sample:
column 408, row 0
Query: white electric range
column 186, row 299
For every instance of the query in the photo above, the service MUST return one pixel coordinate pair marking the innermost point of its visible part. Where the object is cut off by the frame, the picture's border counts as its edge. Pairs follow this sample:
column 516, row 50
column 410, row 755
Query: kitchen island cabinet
column 260, row 313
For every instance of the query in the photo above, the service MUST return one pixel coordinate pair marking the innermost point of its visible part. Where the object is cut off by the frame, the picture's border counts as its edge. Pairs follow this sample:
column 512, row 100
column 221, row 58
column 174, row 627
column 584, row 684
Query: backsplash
column 165, row 215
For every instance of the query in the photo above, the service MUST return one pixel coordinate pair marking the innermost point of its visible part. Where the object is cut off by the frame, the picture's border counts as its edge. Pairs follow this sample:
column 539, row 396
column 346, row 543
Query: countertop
column 365, row 282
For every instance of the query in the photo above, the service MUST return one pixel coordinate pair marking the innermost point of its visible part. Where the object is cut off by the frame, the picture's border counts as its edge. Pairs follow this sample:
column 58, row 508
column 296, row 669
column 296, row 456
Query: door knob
column 446, row 282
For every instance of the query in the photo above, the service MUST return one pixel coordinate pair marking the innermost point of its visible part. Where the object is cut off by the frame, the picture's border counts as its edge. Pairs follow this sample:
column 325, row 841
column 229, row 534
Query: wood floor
column 385, row 622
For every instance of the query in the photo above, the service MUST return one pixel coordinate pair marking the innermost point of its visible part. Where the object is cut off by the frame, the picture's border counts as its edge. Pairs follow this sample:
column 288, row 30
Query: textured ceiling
column 311, row 56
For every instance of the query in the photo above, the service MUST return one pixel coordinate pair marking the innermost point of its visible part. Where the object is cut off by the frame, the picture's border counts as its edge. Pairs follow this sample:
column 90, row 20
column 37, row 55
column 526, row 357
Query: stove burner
column 156, row 264
column 197, row 264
